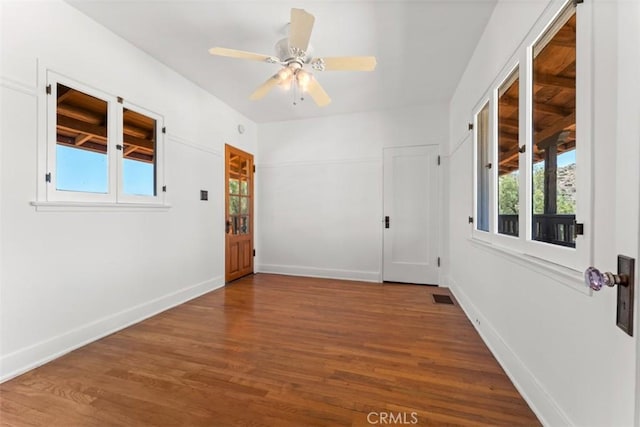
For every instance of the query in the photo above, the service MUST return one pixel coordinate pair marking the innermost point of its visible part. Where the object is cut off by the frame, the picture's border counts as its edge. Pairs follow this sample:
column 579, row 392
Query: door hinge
column 164, row 129
column 118, row 147
column 47, row 177
column 48, row 89
column 254, row 168
column 522, row 149
column 254, row 252
column 438, row 160
column 470, row 126
column 438, row 261
column 164, row 188
column 579, row 229
column 120, row 100
column 470, row 220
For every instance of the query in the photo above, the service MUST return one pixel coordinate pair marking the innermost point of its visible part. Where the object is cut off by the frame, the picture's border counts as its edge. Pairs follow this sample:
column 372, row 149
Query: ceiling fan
column 293, row 54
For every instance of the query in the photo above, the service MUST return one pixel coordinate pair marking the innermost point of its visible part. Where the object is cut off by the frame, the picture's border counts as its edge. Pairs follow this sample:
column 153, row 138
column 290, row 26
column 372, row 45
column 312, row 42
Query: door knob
column 596, row 280
column 625, row 279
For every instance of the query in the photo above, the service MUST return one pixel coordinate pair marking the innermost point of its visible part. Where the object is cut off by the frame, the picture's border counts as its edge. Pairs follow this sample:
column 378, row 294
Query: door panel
column 238, row 213
column 411, row 203
column 233, row 257
column 247, row 256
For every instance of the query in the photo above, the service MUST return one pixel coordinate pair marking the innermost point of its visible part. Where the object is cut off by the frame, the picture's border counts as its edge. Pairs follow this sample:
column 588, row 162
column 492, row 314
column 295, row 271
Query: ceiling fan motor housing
column 289, row 54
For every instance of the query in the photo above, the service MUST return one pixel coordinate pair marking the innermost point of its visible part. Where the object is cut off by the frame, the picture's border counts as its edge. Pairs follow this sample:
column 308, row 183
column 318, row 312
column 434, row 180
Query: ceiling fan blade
column 345, row 63
column 232, row 53
column 265, row 87
column 318, row 94
column 300, row 30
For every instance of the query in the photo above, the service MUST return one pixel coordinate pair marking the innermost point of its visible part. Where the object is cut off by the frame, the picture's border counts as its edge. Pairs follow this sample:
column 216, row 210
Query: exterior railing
column 508, row 224
column 557, row 229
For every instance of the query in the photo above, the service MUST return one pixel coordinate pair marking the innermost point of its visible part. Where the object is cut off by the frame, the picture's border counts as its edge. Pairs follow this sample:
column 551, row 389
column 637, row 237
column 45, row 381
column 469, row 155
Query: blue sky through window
column 81, row 170
column 564, row 159
column 138, row 178
column 87, row 171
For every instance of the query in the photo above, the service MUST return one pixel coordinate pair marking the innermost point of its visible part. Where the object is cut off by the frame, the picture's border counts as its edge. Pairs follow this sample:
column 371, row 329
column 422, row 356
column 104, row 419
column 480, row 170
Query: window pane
column 139, row 178
column 81, row 142
column 554, row 133
column 139, row 151
column 482, row 141
column 234, row 186
column 508, row 156
column 234, row 205
column 244, row 188
column 244, row 202
column 81, row 170
column 244, row 225
column 234, row 166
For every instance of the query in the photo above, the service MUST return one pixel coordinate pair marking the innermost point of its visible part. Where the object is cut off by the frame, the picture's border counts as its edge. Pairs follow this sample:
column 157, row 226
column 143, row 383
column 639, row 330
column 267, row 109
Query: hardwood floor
column 279, row 351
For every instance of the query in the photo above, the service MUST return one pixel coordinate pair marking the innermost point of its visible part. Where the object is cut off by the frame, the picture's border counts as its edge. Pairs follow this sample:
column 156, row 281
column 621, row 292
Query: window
column 81, row 142
column 239, row 170
column 538, row 109
column 100, row 148
column 509, row 155
column 483, row 167
column 554, row 133
column 139, row 153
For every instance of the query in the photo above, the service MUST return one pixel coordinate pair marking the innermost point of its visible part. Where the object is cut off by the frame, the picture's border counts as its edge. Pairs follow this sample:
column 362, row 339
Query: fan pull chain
column 295, row 88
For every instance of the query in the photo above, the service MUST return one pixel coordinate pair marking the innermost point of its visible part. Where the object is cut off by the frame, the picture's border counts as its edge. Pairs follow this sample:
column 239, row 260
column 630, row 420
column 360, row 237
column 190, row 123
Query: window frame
column 47, row 190
column 514, row 242
column 52, row 192
column 122, row 197
column 572, row 258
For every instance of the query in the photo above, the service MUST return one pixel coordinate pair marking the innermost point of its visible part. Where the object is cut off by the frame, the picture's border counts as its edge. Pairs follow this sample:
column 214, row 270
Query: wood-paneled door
column 238, row 213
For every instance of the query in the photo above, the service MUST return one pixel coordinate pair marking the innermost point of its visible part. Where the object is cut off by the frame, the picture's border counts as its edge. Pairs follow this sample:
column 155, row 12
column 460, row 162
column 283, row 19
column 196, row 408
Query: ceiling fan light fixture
column 285, row 74
column 294, row 53
column 304, row 78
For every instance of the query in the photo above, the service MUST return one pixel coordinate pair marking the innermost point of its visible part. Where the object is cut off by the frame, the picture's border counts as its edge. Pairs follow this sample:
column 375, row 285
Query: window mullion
column 493, row 160
column 115, row 155
column 526, row 135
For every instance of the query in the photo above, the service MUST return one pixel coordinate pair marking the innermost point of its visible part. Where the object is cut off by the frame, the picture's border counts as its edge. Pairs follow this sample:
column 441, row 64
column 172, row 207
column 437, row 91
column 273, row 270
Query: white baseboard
column 25, row 359
column 327, row 273
column 543, row 405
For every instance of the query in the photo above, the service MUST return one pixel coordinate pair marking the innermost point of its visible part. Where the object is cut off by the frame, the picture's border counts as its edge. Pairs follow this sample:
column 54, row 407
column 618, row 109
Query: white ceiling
column 422, row 47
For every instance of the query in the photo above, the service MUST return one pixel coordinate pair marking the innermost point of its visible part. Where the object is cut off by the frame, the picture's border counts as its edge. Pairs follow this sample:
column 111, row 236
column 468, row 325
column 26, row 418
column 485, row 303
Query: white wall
column 69, row 277
column 320, row 186
column 560, row 345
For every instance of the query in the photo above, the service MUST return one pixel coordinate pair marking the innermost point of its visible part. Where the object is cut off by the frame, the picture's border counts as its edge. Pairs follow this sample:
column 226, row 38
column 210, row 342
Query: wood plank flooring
column 279, row 351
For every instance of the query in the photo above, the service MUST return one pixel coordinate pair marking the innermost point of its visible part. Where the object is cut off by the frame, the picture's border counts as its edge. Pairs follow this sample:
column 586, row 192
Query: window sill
column 98, row 207
column 569, row 277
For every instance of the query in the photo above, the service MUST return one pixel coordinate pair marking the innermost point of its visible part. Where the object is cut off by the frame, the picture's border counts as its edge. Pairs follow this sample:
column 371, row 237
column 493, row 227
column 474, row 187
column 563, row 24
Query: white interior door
column 411, row 205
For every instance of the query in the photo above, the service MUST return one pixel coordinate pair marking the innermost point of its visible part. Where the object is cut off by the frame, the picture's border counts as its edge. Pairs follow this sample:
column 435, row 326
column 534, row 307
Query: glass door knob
column 596, row 280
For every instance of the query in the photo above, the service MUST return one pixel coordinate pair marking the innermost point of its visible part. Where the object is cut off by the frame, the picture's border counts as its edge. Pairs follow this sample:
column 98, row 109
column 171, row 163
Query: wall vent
column 442, row 299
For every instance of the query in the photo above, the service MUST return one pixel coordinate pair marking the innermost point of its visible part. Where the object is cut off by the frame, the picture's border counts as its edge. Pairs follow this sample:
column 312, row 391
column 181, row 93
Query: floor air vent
column 442, row 299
